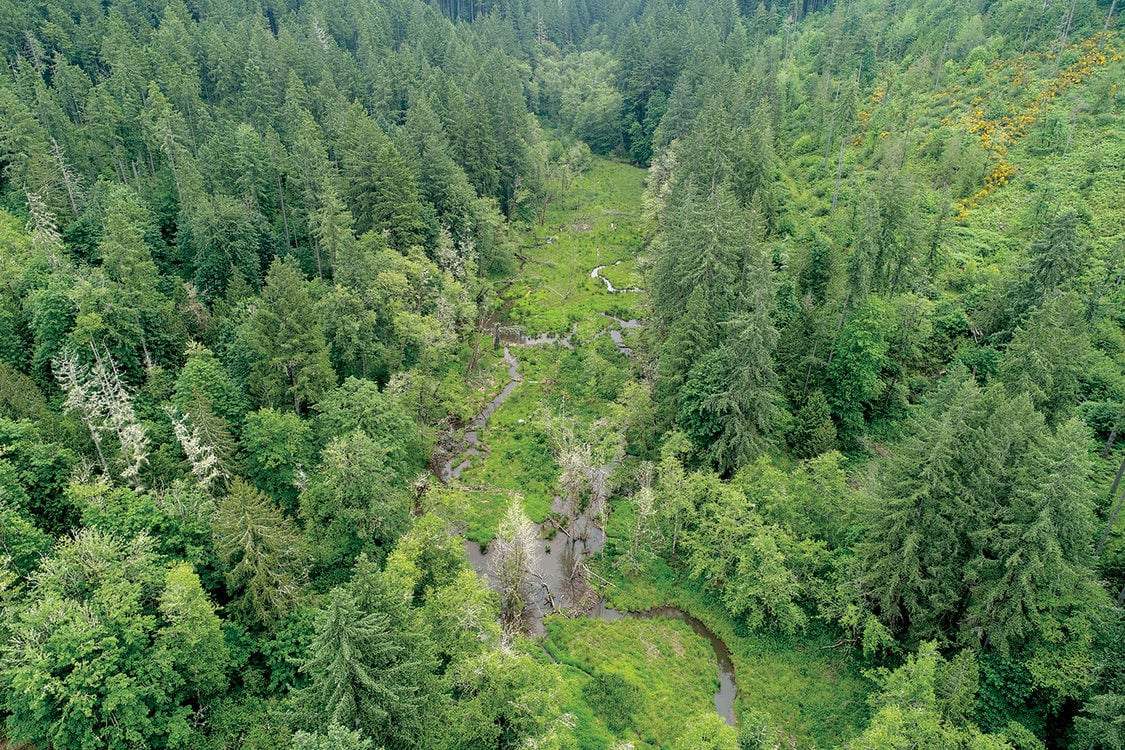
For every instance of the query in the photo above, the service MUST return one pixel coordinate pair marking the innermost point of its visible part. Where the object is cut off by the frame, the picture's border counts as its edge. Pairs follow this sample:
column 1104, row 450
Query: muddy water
column 471, row 446
column 617, row 335
column 554, row 589
column 728, row 688
column 558, row 581
column 513, row 336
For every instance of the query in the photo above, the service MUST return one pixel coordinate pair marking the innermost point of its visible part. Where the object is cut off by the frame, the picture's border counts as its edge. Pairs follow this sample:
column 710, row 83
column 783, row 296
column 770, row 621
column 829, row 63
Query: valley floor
column 560, row 351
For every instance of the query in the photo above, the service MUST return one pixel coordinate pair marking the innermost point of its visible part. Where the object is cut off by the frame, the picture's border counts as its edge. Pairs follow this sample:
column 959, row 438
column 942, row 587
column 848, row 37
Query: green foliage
column 262, row 553
column 707, row 732
column 288, row 355
column 279, row 453
column 755, row 567
column 37, row 476
column 1101, row 726
column 362, row 675
column 359, row 405
column 849, row 209
column 505, row 699
column 192, row 639
column 813, row 430
column 221, row 239
column 203, row 377
column 112, row 650
column 22, row 542
column 126, row 513
column 354, row 501
column 813, row 692
column 1041, row 572
column 1006, row 695
column 854, row 376
column 924, row 704
column 638, row 676
column 613, row 699
column 1046, row 359
column 935, row 512
column 336, row 738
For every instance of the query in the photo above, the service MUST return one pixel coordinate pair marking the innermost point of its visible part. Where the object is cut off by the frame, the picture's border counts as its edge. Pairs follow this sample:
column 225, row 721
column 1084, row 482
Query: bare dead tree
column 42, row 227
column 69, row 178
column 120, row 416
column 512, row 565
column 204, row 459
column 81, row 397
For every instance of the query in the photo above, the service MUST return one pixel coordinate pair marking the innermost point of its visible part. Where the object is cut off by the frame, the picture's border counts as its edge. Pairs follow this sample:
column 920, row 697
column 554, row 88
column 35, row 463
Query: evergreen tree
column 858, row 360
column 335, row 738
column 381, row 189
column 289, row 357
column 362, row 677
column 1038, row 570
column 813, row 430
column 1056, row 260
column 219, row 238
column 262, row 553
column 944, row 490
column 1048, row 356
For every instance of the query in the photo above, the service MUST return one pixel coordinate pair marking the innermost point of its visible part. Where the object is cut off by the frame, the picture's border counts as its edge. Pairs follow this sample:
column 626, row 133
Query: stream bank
column 560, row 578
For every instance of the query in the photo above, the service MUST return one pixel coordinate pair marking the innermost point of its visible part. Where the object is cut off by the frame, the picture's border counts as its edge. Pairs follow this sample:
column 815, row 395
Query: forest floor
column 658, row 670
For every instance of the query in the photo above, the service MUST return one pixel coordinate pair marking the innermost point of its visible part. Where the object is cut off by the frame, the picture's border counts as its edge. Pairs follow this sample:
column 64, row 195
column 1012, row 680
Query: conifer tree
column 1038, row 571
column 289, row 357
column 362, row 677
column 262, row 552
column 813, row 430
column 1048, row 355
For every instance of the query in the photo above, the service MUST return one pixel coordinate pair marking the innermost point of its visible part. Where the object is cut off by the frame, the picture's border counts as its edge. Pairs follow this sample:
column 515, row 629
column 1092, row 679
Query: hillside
column 586, row 374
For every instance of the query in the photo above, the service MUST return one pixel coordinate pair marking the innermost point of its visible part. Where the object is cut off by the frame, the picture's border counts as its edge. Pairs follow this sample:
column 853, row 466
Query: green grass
column 597, row 223
column 814, row 696
column 670, row 671
column 581, row 384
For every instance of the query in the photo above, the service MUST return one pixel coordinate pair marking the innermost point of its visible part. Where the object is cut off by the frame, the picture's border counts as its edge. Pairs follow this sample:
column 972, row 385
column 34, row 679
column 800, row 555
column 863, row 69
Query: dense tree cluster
column 245, row 253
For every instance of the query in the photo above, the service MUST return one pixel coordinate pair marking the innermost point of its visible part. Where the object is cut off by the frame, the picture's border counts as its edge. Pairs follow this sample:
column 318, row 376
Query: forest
column 512, row 374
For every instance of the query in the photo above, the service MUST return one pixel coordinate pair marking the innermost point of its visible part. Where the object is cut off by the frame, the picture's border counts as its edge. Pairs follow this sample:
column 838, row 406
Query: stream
column 561, row 579
column 597, row 274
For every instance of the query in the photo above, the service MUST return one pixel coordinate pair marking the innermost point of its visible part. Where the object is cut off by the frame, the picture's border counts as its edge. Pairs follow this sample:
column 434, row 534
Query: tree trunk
column 1117, row 479
column 839, row 173
column 1065, row 34
column 284, row 216
column 1109, row 525
column 1109, row 447
column 293, row 383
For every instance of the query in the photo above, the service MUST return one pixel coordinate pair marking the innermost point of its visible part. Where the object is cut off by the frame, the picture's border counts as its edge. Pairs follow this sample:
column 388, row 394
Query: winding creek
column 558, row 554
column 597, row 274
